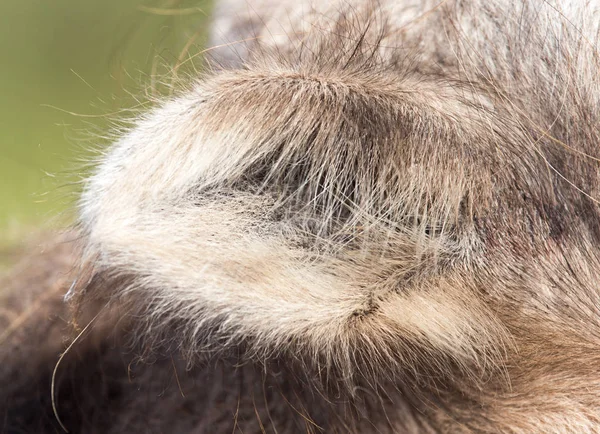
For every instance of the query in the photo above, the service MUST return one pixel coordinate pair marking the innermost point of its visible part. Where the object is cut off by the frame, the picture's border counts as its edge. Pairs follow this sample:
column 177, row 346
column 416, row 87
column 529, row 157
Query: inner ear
column 365, row 156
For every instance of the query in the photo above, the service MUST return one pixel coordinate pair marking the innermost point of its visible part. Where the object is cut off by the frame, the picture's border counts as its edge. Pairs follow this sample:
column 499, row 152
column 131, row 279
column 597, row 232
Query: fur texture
column 368, row 217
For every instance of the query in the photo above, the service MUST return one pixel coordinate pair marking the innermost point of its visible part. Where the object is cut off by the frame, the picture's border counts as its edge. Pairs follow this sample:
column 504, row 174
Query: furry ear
column 224, row 210
column 324, row 202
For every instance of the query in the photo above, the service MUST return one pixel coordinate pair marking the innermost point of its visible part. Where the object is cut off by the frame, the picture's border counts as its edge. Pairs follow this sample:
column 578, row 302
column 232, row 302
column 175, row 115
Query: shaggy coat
column 364, row 217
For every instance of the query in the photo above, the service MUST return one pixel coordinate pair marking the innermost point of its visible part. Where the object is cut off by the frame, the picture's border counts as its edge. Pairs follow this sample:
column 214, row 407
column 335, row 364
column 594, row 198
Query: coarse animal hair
column 364, row 216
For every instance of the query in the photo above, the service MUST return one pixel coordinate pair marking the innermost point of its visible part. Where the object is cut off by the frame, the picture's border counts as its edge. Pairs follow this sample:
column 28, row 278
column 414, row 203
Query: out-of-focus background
column 69, row 69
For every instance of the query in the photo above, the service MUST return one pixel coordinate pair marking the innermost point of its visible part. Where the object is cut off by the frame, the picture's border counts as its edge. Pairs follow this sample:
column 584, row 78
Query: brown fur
column 371, row 217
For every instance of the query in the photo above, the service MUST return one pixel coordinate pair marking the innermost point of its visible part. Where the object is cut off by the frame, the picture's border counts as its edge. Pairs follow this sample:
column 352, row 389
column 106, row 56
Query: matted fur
column 367, row 217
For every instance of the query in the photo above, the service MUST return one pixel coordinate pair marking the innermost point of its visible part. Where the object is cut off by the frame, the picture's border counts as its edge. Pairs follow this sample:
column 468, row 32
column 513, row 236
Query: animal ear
column 210, row 261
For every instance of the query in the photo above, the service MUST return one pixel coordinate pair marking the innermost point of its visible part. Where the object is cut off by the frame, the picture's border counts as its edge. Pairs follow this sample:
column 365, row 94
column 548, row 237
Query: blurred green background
column 69, row 67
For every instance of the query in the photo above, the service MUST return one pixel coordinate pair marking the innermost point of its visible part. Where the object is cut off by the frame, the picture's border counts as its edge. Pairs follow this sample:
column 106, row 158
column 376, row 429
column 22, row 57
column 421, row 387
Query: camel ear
column 213, row 254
